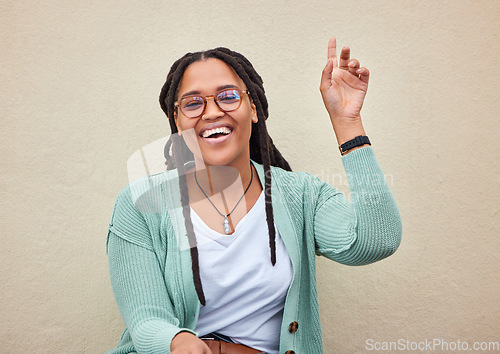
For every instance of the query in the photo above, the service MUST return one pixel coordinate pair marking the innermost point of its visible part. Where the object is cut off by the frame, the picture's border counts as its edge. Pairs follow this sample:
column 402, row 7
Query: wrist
column 345, row 120
column 180, row 339
column 346, row 130
column 353, row 144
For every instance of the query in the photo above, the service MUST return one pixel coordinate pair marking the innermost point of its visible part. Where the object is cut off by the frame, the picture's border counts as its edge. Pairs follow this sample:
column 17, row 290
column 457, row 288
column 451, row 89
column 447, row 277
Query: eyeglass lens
column 227, row 100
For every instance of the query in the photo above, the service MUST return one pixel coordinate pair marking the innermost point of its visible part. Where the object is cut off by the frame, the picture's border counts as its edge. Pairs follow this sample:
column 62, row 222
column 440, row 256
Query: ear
column 255, row 119
column 179, row 131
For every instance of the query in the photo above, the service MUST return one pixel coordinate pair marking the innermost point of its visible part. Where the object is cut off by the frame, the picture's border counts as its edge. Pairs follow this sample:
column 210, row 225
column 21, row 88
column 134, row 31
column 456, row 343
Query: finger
column 353, row 66
column 326, row 76
column 364, row 74
column 332, row 50
column 344, row 58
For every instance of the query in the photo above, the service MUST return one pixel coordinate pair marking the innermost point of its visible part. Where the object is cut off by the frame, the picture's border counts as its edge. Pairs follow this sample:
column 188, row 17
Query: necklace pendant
column 227, row 227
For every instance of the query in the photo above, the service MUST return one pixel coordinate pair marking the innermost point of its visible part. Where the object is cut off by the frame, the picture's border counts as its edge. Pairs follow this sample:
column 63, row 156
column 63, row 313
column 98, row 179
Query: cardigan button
column 289, row 352
column 292, row 327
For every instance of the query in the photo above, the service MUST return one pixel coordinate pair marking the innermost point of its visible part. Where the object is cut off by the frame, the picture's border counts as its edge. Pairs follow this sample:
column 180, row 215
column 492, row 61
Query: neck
column 215, row 179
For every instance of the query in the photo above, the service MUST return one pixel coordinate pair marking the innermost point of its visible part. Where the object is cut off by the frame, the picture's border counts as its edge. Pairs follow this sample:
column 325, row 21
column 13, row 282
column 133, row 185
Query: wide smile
column 216, row 133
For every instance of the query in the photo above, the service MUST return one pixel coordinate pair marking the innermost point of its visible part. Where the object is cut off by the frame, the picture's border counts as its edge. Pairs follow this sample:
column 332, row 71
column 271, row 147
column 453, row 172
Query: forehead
column 207, row 76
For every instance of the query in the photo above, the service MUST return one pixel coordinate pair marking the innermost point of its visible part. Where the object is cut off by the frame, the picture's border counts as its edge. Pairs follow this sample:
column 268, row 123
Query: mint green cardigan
column 150, row 263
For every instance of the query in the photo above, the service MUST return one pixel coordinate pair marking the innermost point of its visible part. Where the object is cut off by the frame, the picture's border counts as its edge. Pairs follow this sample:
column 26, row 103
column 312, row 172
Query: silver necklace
column 225, row 220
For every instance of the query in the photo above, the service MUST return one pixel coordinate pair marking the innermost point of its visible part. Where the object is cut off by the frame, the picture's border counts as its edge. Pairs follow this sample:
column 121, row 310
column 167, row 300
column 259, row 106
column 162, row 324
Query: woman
column 217, row 254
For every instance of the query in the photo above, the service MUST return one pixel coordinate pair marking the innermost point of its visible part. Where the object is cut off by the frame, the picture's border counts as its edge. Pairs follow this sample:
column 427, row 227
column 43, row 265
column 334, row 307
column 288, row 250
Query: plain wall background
column 79, row 88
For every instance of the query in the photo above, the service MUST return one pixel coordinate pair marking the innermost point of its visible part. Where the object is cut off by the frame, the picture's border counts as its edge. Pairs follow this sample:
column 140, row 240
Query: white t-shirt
column 244, row 293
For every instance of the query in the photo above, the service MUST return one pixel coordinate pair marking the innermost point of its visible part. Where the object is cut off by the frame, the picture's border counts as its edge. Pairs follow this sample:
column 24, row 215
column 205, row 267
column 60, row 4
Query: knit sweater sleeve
column 137, row 280
column 366, row 229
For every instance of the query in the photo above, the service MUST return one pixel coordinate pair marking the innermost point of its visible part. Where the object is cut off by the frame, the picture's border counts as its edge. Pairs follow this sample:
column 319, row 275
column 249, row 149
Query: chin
column 223, row 157
column 214, row 160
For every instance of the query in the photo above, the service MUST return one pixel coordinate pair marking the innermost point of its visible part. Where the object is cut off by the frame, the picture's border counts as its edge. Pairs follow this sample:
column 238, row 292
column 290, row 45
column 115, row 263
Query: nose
column 212, row 110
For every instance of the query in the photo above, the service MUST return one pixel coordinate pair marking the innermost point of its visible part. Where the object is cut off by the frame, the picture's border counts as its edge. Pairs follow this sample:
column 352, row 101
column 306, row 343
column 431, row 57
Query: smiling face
column 216, row 137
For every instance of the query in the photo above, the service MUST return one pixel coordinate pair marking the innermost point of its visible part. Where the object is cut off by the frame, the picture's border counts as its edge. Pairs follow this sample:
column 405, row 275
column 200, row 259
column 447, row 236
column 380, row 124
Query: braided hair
column 262, row 148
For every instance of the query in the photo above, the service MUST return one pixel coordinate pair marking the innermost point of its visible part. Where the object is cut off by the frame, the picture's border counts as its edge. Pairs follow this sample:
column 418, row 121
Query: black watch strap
column 360, row 140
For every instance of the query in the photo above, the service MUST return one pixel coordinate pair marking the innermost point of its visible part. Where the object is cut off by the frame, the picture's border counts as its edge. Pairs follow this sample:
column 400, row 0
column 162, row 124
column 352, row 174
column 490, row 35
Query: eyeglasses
column 227, row 100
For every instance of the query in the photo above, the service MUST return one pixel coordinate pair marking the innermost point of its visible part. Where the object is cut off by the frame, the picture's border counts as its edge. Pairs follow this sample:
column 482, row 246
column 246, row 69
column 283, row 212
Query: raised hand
column 343, row 85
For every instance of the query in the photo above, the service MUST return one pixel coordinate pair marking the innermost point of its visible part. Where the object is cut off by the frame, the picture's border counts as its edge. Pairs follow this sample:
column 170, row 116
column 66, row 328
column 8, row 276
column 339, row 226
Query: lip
column 218, row 140
column 214, row 126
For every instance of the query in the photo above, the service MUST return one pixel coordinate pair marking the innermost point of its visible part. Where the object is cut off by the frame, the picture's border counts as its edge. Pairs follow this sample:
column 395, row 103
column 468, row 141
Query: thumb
column 326, row 76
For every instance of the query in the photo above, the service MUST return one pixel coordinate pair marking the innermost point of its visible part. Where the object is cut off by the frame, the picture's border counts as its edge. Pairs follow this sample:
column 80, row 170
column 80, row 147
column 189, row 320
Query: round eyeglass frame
column 205, row 101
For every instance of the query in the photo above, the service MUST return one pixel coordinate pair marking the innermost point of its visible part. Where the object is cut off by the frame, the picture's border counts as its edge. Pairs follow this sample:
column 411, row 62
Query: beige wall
column 79, row 87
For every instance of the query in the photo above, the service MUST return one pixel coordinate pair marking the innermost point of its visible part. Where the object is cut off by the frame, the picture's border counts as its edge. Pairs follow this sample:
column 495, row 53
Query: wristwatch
column 360, row 140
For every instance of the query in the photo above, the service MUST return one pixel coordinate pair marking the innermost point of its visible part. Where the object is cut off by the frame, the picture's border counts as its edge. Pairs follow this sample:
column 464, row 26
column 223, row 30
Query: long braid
column 262, row 148
column 186, row 212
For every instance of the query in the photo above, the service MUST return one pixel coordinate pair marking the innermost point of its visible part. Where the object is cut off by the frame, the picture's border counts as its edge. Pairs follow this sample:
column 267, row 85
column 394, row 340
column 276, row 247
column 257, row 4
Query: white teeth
column 221, row 130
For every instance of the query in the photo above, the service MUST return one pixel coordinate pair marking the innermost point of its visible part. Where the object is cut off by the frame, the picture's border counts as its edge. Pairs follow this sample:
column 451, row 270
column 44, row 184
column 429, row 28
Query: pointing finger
column 332, row 50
